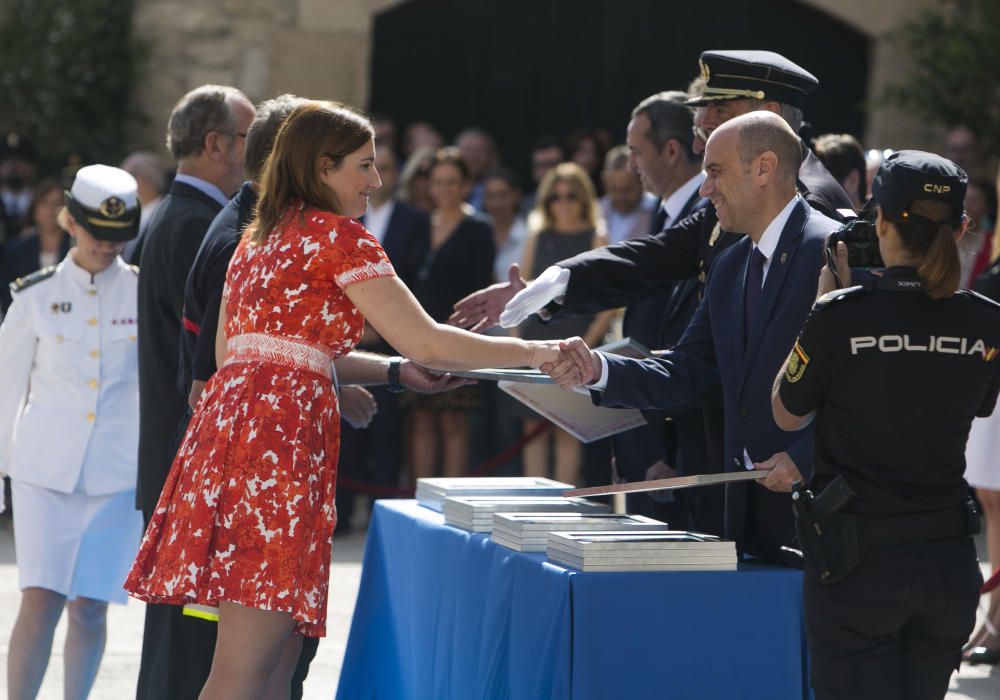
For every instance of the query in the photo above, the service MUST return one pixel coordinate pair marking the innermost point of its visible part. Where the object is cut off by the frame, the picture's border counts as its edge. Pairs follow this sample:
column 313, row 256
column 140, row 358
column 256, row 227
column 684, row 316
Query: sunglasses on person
column 566, row 197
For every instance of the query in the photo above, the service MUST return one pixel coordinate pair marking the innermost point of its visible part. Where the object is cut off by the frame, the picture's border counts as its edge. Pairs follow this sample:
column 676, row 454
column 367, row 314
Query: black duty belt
column 923, row 527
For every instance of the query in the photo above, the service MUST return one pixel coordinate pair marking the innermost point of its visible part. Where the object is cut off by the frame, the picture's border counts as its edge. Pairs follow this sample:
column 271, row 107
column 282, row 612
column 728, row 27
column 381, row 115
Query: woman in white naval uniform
column 69, row 422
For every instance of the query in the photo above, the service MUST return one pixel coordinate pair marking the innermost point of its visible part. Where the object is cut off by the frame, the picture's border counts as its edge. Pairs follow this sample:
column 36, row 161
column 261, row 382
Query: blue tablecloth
column 443, row 613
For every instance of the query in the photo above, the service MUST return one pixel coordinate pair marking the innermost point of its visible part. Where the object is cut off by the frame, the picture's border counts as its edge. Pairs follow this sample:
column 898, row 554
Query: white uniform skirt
column 982, row 453
column 75, row 544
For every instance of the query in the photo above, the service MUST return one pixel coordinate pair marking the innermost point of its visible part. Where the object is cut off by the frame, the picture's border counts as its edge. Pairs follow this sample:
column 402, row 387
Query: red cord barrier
column 484, row 469
column 492, row 464
column 992, row 582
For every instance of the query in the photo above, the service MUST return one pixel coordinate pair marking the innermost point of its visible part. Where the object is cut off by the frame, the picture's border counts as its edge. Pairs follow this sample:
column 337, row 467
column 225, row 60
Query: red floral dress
column 247, row 513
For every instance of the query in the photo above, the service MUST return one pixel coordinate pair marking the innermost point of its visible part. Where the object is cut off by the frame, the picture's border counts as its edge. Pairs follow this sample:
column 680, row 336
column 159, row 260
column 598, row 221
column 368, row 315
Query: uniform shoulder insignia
column 22, row 283
column 839, row 295
column 978, row 297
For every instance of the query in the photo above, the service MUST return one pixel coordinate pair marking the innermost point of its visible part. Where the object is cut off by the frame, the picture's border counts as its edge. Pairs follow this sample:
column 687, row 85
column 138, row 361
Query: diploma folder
column 641, row 551
column 575, row 412
column 432, row 491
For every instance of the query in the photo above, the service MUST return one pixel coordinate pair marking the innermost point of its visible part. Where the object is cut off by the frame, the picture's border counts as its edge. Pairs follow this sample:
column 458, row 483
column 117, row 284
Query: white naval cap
column 105, row 200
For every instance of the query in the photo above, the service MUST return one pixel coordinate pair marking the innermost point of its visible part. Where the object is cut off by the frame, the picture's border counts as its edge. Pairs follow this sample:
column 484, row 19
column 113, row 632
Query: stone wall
column 885, row 126
column 321, row 48
column 313, row 48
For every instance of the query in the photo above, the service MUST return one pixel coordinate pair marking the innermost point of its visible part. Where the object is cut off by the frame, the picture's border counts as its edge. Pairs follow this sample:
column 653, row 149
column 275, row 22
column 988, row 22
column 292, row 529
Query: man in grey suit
column 206, row 133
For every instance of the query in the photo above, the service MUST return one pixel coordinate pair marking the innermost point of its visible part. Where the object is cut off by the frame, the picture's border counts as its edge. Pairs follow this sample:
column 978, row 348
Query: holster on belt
column 833, row 543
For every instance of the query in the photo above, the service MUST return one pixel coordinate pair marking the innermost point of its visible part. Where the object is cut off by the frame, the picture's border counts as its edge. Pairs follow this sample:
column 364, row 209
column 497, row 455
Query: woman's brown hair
column 926, row 234
column 292, row 171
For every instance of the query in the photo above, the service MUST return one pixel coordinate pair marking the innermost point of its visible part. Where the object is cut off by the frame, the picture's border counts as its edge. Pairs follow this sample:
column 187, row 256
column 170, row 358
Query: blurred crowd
column 468, row 218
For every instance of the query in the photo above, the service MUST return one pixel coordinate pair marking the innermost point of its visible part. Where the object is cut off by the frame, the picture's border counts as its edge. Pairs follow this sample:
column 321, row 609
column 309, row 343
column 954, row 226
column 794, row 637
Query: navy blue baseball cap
column 752, row 75
column 907, row 176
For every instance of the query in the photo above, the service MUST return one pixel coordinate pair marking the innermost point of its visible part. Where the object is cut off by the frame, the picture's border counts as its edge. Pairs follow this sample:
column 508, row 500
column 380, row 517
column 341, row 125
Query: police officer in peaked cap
column 737, row 82
column 69, row 431
column 893, row 372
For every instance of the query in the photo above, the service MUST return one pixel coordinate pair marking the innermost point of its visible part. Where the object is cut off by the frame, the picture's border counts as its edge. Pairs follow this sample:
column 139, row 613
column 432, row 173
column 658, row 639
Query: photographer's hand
column 827, row 281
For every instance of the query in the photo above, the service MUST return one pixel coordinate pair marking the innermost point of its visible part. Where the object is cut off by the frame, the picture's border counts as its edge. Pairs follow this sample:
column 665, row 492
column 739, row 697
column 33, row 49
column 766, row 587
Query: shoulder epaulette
column 22, row 283
column 839, row 295
column 978, row 297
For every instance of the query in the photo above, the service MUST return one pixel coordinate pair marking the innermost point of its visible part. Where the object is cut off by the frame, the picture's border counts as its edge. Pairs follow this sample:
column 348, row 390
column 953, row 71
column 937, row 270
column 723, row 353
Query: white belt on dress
column 260, row 347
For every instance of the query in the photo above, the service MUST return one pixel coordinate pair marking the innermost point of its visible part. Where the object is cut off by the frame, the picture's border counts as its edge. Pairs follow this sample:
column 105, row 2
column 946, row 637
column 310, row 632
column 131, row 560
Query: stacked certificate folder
column 475, row 513
column 647, row 551
column 529, row 532
column 432, row 492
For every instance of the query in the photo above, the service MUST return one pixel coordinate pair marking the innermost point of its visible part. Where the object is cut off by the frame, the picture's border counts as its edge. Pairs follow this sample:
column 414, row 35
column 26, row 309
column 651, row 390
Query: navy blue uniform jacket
column 716, row 346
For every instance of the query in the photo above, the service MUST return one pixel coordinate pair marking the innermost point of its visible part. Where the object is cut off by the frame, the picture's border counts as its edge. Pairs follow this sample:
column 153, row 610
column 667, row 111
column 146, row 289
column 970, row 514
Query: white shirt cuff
column 599, row 384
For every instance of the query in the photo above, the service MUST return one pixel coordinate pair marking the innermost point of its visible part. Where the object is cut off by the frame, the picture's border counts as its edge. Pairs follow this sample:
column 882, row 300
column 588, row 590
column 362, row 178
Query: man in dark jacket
column 660, row 143
column 206, row 134
column 736, row 82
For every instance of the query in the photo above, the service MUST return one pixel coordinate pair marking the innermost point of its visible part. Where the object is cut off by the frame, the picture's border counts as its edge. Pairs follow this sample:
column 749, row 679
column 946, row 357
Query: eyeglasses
column 699, row 133
column 566, row 197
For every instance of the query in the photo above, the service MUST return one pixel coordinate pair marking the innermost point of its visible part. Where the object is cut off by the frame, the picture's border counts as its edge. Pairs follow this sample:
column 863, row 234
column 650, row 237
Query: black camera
column 862, row 243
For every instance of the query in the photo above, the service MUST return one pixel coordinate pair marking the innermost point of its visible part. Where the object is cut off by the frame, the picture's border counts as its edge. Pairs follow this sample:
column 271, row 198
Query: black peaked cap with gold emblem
column 105, row 201
column 753, row 75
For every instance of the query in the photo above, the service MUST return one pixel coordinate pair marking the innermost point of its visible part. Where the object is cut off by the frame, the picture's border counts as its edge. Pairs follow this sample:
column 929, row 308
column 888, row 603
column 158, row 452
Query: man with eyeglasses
column 206, row 134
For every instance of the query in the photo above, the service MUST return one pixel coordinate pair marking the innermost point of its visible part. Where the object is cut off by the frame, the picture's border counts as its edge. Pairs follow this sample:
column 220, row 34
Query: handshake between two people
column 569, row 362
column 508, row 304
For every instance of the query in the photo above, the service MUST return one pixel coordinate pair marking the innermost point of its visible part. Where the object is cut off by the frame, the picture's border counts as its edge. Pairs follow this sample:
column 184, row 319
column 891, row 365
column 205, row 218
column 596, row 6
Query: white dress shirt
column 204, row 186
column 377, row 219
column 673, row 204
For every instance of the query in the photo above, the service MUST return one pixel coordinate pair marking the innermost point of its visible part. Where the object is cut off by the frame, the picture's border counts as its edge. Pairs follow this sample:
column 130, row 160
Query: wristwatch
column 394, row 386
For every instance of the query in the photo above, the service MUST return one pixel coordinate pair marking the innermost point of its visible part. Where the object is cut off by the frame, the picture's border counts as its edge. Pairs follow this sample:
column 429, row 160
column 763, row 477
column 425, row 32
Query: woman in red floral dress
column 246, row 518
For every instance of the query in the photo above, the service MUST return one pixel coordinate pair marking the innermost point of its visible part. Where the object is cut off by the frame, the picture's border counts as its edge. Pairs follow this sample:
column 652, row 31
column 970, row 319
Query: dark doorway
column 521, row 68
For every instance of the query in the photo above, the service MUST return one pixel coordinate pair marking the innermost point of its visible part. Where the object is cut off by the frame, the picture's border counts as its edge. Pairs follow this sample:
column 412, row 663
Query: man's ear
column 671, row 150
column 765, row 167
column 212, row 145
column 772, row 107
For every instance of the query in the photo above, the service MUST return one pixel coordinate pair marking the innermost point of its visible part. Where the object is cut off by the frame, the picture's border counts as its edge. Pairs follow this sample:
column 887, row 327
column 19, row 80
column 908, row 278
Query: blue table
column 444, row 613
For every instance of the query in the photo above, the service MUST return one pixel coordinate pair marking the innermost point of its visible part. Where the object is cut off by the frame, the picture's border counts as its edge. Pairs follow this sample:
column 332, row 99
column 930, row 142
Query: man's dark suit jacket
column 658, row 322
column 620, row 274
column 405, row 239
column 20, row 258
column 171, row 243
column 203, row 289
column 717, row 346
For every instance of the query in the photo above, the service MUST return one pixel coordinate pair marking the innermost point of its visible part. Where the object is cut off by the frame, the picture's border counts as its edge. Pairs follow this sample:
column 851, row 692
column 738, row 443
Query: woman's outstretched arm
column 398, row 317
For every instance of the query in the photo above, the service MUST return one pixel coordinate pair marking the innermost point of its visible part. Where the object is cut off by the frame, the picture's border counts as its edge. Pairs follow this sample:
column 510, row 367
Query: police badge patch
column 797, row 362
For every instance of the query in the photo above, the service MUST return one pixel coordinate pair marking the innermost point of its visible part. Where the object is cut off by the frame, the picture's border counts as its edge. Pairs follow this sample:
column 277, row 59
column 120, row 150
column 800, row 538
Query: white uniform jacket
column 69, row 408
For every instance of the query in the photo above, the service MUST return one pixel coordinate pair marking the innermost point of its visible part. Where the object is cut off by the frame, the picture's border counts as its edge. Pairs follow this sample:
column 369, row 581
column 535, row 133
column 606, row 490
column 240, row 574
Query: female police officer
column 69, row 431
column 893, row 372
